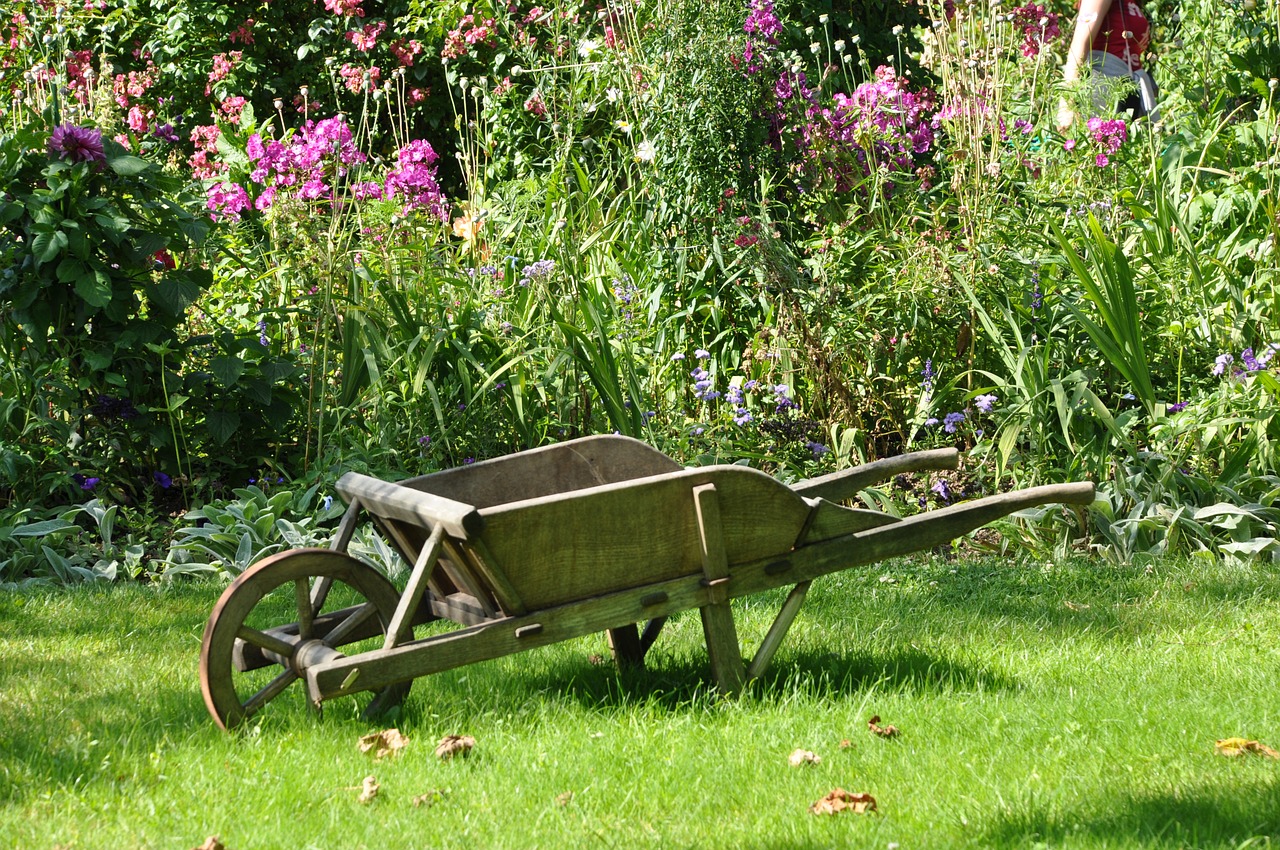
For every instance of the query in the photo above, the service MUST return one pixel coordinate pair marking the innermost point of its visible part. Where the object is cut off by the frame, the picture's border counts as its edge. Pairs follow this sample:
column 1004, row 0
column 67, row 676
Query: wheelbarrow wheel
column 248, row 659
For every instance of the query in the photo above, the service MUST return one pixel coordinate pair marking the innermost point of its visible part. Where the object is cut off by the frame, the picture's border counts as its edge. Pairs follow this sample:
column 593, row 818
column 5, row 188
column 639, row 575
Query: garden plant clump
column 423, row 235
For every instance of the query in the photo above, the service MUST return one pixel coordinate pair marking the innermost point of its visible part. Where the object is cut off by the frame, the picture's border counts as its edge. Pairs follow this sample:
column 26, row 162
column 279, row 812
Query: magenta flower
column 78, row 144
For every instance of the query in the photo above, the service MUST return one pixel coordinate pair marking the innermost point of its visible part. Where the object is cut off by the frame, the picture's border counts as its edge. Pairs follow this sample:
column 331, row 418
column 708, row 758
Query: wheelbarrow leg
column 781, row 623
column 717, row 616
column 624, row 643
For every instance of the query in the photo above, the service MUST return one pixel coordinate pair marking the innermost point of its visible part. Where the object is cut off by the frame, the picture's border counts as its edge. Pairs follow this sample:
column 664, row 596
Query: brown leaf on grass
column 368, row 790
column 595, row 659
column 873, row 725
column 211, row 843
column 1243, row 746
column 388, row 742
column 846, row 744
column 428, row 799
column 800, row 757
column 454, row 745
column 841, row 800
column 564, row 799
column 1076, row 606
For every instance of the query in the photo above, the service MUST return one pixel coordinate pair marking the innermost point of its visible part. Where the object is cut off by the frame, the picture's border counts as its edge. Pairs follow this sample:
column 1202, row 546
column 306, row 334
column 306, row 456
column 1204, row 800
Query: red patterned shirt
column 1125, row 33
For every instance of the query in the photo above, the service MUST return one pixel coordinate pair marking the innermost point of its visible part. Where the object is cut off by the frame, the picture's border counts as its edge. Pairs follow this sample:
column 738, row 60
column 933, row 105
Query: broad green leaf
column 222, row 424
column 128, row 165
column 226, row 369
column 95, row 288
column 174, row 294
column 48, row 245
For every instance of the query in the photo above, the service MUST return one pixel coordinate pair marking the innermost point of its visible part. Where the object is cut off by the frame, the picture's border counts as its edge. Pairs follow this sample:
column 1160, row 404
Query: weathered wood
column 224, row 635
column 830, row 520
column 624, row 644
column 717, row 617
column 400, row 627
column 346, row 527
column 781, row 623
column 460, row 608
column 547, row 471
column 504, row 591
column 578, row 545
column 457, row 567
column 652, row 629
column 846, row 483
column 581, row 617
column 406, row 504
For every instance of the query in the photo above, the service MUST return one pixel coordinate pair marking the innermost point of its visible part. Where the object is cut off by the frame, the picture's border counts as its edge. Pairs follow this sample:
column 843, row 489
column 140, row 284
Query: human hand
column 1066, row 115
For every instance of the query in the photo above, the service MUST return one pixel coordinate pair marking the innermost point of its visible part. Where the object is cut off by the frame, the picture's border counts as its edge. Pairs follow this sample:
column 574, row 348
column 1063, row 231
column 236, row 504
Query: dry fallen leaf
column 1241, row 746
column 839, row 800
column 453, row 745
column 800, row 757
column 211, row 843
column 428, row 799
column 846, row 744
column 388, row 742
column 1076, row 606
column 883, row 731
column 564, row 799
column 595, row 659
column 368, row 790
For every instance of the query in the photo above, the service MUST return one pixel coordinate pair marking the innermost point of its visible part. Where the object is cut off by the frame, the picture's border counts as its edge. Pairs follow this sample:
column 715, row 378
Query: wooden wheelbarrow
column 596, row 534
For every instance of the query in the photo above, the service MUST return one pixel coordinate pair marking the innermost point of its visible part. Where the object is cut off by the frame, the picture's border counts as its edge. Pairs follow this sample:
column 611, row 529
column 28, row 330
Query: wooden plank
column 717, row 617
column 547, row 470
column 401, row 626
column 460, row 608
column 583, row 544
column 393, row 501
column 624, row 643
column 456, row 568
column 846, row 483
column 346, row 527
column 830, row 520
column 652, row 629
column 781, row 623
column 503, row 590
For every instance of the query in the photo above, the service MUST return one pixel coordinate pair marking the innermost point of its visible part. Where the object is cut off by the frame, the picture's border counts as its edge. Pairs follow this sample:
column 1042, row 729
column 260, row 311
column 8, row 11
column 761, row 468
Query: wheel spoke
column 350, row 624
column 320, row 593
column 306, row 614
column 265, row 640
column 270, row 692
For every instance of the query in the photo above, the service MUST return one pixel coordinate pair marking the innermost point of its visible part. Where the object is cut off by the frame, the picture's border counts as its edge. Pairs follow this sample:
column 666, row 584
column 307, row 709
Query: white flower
column 612, row 94
column 624, row 126
column 587, row 46
column 646, row 152
column 897, row 30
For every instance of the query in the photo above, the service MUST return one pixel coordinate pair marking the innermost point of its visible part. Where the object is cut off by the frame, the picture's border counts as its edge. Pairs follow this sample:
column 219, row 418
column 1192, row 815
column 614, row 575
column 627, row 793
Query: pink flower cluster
column 414, row 179
column 468, row 34
column 315, row 156
column 1108, row 135
column 345, row 8
column 1039, row 27
column 762, row 23
column 223, row 65
column 356, row 78
column 366, row 39
column 203, row 162
column 405, row 51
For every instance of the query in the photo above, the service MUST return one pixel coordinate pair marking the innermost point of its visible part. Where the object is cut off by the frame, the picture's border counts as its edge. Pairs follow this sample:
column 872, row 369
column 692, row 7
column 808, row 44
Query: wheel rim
column 251, row 653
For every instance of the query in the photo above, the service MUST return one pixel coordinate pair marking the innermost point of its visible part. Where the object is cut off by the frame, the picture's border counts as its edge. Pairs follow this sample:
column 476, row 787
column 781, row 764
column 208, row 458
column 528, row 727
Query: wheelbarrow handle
column 846, row 483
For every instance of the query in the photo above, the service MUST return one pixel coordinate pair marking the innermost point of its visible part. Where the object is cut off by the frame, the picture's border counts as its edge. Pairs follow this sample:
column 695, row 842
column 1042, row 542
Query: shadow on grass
column 1222, row 815
column 675, row 683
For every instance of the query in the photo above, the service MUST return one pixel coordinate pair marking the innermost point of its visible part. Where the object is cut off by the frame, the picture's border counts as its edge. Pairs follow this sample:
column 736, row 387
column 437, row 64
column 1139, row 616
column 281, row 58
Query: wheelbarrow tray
column 598, row 534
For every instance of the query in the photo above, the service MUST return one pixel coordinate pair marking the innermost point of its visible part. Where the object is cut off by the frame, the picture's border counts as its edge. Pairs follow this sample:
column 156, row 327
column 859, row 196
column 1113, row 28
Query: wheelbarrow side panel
column 579, row 545
column 547, row 471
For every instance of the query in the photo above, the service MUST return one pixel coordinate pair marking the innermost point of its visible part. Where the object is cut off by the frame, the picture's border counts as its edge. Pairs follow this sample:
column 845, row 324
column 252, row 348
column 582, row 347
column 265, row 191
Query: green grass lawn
column 1055, row 706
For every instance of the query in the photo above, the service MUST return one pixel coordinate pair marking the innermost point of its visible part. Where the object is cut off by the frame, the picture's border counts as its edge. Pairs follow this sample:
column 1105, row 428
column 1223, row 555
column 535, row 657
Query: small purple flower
column 85, row 483
column 927, row 371
column 931, row 421
column 942, row 490
column 467, row 461
column 702, row 354
column 1177, row 407
column 678, row 356
column 985, row 402
column 1250, row 362
column 698, row 432
column 741, row 416
column 424, row 440
column 77, row 144
column 166, row 133
column 951, row 420
column 818, row 449
column 1221, row 362
column 164, row 481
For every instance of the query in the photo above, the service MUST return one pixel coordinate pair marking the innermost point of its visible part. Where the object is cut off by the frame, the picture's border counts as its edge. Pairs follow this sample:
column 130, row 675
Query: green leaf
column 94, row 288
column 128, row 165
column 222, row 424
column 40, row 529
column 226, row 369
column 48, row 245
column 174, row 294
column 70, row 269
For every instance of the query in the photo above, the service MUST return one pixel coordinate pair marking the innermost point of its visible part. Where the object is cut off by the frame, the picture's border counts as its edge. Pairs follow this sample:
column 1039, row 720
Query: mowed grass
column 1071, row 705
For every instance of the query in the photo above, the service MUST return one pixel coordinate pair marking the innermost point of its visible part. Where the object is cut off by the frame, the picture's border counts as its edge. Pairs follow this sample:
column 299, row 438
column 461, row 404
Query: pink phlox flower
column 226, row 200
column 414, row 179
column 367, row 39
